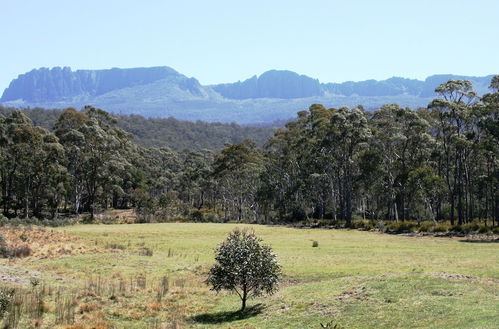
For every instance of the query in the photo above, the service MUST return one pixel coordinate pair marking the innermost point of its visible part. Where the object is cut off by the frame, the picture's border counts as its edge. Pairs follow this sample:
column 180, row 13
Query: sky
column 225, row 41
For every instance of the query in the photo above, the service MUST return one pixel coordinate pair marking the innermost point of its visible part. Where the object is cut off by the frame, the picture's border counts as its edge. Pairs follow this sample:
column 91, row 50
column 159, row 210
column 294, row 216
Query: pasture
column 152, row 276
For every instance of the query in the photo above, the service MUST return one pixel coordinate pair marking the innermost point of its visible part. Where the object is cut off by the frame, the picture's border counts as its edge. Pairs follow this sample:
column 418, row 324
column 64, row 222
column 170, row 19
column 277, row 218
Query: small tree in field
column 245, row 266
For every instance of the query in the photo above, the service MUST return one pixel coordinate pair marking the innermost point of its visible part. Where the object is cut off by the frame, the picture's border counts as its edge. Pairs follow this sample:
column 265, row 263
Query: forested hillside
column 439, row 164
column 195, row 136
column 167, row 132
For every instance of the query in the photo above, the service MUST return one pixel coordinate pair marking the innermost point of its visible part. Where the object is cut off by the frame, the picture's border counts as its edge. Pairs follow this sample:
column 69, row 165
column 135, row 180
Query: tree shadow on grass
column 221, row 317
column 480, row 241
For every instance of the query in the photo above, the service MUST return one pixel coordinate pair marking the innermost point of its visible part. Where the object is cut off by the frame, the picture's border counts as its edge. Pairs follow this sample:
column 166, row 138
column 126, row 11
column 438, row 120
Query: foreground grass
column 355, row 279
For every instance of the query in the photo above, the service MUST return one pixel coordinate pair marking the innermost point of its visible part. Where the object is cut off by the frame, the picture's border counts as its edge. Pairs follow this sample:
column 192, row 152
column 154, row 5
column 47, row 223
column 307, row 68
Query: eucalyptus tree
column 67, row 129
column 195, row 182
column 97, row 154
column 283, row 190
column 401, row 139
column 315, row 163
column 320, row 162
column 454, row 112
column 237, row 172
column 31, row 166
column 426, row 188
column 155, row 173
column 347, row 137
column 489, row 145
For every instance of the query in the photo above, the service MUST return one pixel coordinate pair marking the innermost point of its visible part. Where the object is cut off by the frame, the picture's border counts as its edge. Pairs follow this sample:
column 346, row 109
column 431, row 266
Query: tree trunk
column 459, row 186
column 244, row 298
column 451, row 201
column 26, row 200
column 395, row 211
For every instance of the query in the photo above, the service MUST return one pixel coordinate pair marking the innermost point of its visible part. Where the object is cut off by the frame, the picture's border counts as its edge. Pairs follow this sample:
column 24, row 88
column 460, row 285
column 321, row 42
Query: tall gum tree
column 454, row 110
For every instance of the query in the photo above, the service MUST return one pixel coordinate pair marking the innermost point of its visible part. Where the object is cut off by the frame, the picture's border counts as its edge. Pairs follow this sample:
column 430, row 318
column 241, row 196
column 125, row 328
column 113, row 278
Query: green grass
column 356, row 279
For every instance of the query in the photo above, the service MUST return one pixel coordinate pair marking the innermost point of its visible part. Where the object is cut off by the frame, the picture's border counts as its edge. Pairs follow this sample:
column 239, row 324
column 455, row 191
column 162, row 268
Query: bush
column 15, row 252
column 471, row 227
column 425, row 227
column 23, row 237
column 203, row 216
column 5, row 300
column 402, row 227
column 115, row 246
column 315, row 244
column 381, row 226
column 35, row 222
column 484, row 229
column 245, row 266
column 457, row 229
column 19, row 251
column 4, row 250
column 212, row 217
column 466, row 228
column 316, row 222
column 196, row 216
column 146, row 252
column 363, row 224
column 441, row 228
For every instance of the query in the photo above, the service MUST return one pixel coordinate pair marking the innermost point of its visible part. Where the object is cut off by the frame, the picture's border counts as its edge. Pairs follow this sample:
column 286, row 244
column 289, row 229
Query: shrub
column 330, row 325
column 245, row 266
column 23, row 237
column 381, row 226
column 212, row 217
column 362, row 224
column 425, row 227
column 4, row 250
column 5, row 300
column 35, row 222
column 145, row 252
column 196, row 216
column 34, row 281
column 484, row 229
column 19, row 251
column 470, row 227
column 402, row 227
column 315, row 244
column 115, row 246
column 441, row 228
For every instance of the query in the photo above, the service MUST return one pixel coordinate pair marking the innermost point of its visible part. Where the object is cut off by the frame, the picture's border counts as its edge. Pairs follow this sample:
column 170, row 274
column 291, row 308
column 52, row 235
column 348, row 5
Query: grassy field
column 151, row 276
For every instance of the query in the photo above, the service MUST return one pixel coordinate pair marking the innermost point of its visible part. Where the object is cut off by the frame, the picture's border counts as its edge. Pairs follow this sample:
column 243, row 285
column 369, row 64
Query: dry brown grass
column 117, row 216
column 45, row 243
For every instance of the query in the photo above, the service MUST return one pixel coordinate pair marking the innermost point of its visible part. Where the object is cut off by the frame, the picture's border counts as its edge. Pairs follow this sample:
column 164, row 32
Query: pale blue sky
column 225, row 41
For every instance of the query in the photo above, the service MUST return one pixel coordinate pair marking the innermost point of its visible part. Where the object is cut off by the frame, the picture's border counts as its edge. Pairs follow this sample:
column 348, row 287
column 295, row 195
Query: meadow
column 152, row 276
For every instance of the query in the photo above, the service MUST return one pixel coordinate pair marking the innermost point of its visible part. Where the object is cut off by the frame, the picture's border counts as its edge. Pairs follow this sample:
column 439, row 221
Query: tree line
column 168, row 132
column 439, row 163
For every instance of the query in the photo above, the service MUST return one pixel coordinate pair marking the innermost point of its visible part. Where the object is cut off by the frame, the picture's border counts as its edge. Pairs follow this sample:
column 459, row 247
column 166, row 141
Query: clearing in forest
column 152, row 276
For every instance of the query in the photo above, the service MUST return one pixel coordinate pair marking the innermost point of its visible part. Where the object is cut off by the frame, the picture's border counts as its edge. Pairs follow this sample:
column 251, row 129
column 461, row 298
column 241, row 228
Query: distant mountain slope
column 152, row 92
column 390, row 87
column 272, row 84
column 289, row 85
column 480, row 84
column 163, row 92
column 46, row 85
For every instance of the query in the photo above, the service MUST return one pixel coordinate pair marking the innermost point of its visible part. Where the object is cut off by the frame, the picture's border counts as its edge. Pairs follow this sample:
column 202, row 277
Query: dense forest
column 168, row 132
column 438, row 164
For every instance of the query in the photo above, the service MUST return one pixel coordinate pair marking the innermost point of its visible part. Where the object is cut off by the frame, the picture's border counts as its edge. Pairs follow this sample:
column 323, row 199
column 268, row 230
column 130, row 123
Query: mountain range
column 164, row 92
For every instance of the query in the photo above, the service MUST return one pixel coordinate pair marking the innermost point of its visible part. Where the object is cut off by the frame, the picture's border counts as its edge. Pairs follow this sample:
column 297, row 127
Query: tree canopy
column 438, row 164
column 245, row 266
